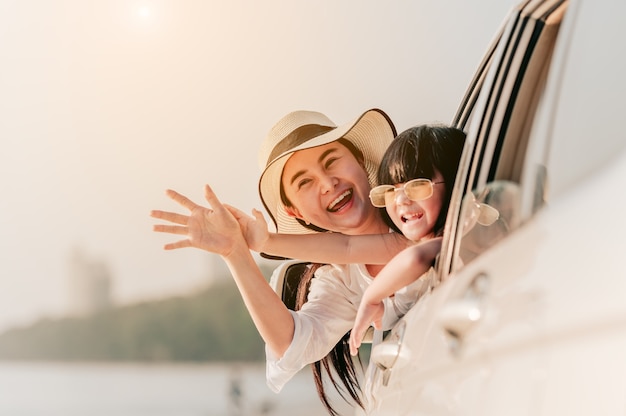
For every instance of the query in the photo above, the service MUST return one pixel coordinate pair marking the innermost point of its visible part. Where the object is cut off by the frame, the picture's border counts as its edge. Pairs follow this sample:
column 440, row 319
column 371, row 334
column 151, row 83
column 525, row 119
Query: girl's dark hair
column 338, row 365
column 417, row 153
column 358, row 154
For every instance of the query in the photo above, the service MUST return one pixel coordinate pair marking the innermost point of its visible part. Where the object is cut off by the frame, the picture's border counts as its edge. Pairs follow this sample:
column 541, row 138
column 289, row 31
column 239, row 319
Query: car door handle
column 386, row 354
column 460, row 314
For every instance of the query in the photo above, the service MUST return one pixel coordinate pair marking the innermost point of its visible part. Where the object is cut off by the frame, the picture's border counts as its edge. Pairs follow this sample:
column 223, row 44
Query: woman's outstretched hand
column 212, row 229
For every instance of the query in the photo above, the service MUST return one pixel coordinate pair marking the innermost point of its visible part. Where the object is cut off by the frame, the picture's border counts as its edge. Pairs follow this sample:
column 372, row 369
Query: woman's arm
column 217, row 231
column 270, row 315
column 408, row 266
column 319, row 247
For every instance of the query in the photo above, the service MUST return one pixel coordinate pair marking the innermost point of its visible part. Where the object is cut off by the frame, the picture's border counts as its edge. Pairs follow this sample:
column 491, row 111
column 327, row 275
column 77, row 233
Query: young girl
column 417, row 176
column 422, row 164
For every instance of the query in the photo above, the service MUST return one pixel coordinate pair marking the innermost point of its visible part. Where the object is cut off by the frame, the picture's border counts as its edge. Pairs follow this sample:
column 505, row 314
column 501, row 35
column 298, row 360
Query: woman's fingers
column 170, row 216
column 181, row 199
column 211, row 198
column 171, row 229
column 213, row 230
column 178, row 244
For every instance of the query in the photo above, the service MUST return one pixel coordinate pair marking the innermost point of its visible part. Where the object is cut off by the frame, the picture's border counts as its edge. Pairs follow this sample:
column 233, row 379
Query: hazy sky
column 106, row 103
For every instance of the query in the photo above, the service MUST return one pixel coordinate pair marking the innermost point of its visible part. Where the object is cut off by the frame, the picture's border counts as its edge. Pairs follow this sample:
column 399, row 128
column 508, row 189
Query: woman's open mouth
column 341, row 201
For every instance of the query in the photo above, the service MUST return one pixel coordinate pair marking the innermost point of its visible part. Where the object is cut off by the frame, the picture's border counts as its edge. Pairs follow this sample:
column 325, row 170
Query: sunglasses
column 415, row 190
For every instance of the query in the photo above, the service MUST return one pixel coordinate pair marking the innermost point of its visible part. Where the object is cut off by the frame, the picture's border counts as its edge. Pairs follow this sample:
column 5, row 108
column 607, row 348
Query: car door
column 441, row 358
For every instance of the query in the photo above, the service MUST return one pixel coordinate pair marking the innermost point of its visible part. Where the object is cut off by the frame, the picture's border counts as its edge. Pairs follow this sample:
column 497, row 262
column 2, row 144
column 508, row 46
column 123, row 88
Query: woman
column 316, row 177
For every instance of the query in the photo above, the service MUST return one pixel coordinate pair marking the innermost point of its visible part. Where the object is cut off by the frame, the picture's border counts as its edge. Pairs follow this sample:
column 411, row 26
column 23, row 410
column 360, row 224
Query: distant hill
column 212, row 325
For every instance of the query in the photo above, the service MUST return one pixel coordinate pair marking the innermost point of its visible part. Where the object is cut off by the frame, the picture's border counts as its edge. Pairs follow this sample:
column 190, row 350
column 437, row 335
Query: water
column 39, row 389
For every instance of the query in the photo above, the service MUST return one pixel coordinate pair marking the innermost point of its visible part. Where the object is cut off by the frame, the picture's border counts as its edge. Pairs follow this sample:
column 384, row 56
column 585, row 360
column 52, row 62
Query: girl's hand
column 367, row 314
column 254, row 229
column 212, row 229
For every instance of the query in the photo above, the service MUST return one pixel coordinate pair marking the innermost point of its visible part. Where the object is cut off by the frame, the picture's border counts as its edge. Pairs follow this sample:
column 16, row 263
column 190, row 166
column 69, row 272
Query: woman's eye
column 303, row 183
column 330, row 161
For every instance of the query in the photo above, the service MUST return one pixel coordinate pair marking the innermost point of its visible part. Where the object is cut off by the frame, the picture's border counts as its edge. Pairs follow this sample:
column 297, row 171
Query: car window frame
column 486, row 116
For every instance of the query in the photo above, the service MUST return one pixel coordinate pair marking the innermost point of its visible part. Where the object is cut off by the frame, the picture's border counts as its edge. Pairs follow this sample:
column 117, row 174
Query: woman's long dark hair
column 417, row 153
column 338, row 365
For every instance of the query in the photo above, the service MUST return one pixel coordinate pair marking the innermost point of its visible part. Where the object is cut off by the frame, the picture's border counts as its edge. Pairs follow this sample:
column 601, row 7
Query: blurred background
column 106, row 103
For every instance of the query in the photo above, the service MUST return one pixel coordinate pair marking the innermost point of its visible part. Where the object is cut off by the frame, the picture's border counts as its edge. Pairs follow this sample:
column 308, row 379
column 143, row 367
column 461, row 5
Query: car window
column 497, row 114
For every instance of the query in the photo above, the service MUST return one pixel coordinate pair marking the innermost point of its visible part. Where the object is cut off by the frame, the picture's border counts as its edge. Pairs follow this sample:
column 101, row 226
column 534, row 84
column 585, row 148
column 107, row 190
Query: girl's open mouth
column 412, row 216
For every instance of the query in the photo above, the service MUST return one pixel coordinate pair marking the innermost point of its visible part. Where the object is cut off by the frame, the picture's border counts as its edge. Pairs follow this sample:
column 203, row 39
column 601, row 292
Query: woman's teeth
column 339, row 201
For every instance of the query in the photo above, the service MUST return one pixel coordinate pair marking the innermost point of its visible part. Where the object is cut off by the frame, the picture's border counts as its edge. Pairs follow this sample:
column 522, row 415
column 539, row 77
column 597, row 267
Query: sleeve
column 324, row 319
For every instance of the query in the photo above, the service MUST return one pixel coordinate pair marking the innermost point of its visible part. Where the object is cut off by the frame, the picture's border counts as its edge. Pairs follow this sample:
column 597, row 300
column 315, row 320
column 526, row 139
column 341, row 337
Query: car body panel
column 531, row 321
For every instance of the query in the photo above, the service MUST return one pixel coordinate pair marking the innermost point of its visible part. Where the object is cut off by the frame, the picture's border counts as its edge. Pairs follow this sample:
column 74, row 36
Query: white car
column 529, row 317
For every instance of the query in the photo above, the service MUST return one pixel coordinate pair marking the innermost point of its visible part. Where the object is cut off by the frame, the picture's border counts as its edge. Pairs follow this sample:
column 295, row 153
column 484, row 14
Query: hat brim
column 371, row 133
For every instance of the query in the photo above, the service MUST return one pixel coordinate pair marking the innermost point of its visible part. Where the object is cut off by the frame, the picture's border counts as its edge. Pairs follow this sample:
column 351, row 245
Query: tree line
column 211, row 325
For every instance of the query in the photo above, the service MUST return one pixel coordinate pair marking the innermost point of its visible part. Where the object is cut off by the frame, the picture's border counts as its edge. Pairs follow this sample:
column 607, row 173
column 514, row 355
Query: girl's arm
column 408, row 266
column 217, row 231
column 319, row 247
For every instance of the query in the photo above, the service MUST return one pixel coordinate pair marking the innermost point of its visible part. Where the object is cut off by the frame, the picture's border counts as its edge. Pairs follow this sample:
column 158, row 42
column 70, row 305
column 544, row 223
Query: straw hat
column 371, row 133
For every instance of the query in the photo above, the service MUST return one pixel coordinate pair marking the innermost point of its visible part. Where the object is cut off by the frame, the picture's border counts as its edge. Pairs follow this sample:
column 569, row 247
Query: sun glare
column 144, row 12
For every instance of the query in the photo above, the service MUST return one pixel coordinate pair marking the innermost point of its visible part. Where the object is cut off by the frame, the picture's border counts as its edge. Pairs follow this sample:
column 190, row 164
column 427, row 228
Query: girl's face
column 417, row 219
column 328, row 187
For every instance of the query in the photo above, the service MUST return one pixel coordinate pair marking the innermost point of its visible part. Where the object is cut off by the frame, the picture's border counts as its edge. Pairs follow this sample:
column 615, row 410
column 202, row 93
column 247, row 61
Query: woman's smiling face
column 328, row 187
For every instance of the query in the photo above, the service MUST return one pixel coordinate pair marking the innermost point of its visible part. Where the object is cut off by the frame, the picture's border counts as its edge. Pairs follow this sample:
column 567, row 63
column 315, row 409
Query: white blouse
column 326, row 317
